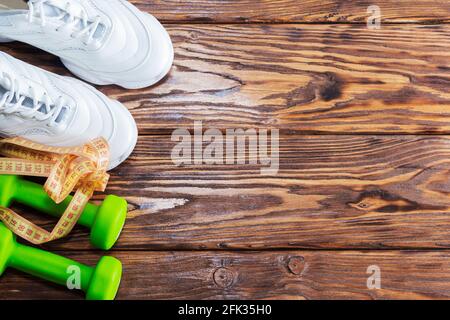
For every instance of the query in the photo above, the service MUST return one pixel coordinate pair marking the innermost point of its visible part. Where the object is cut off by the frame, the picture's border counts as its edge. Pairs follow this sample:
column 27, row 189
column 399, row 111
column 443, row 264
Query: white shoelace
column 68, row 18
column 43, row 109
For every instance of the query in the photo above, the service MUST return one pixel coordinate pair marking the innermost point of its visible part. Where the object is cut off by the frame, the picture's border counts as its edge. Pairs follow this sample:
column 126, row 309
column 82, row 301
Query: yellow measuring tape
column 82, row 168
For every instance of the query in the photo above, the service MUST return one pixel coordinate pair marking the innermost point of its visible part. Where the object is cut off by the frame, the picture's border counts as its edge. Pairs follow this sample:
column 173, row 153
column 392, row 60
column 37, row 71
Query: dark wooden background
column 364, row 117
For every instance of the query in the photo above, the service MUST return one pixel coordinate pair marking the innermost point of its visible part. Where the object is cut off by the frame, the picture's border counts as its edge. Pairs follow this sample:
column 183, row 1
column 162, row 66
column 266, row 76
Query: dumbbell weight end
column 99, row 283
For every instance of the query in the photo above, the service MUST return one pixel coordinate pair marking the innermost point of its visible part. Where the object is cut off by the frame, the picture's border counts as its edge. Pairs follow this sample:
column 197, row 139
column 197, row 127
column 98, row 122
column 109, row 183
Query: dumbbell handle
column 47, row 265
column 33, row 195
column 105, row 220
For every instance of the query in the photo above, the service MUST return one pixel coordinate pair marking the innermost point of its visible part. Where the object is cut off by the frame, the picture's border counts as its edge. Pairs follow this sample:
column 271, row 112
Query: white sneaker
column 60, row 111
column 100, row 41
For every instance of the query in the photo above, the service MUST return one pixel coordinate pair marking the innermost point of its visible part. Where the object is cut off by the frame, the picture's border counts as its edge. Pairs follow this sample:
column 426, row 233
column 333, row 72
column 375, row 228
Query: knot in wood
column 223, row 277
column 296, row 265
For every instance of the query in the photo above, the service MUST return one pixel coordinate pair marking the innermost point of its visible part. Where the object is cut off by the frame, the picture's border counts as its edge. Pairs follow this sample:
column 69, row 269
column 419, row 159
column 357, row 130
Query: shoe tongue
column 56, row 8
column 51, row 11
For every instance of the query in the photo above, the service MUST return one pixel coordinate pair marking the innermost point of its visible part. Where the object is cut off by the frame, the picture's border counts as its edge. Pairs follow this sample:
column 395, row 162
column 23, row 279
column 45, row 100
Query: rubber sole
column 123, row 113
column 116, row 162
column 4, row 40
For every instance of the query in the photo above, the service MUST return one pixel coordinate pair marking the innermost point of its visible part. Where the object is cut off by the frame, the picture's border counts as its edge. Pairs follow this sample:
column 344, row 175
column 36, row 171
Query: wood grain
column 302, row 79
column 256, row 275
column 310, row 11
column 309, row 67
column 330, row 192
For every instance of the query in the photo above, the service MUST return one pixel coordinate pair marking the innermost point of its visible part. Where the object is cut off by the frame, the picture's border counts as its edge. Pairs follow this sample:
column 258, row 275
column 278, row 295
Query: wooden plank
column 327, row 79
column 13, row 4
column 312, row 11
column 330, row 192
column 305, row 79
column 256, row 275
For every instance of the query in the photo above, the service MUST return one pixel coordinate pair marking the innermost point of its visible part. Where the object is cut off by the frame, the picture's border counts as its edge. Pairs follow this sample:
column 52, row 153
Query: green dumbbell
column 106, row 221
column 99, row 283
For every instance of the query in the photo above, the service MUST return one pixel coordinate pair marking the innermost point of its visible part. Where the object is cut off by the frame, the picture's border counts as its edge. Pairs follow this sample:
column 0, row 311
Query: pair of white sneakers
column 102, row 42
